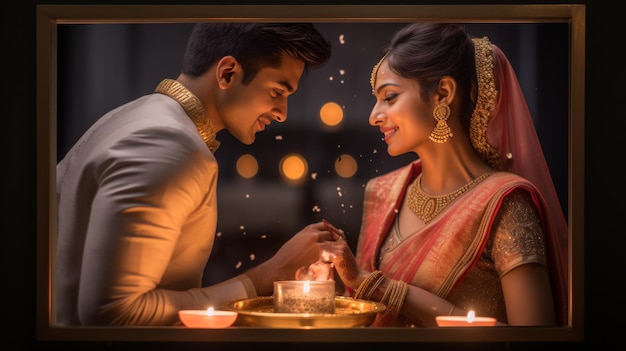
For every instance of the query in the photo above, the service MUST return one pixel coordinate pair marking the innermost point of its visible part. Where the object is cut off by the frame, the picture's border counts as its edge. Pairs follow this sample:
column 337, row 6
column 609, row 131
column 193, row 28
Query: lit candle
column 468, row 321
column 306, row 288
column 304, row 296
column 209, row 318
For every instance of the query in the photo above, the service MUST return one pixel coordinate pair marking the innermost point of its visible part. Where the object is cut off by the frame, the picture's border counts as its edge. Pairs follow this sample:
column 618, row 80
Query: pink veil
column 511, row 131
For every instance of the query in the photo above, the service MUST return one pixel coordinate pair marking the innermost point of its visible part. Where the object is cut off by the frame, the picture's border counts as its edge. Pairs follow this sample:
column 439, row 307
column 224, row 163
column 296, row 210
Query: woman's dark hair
column 426, row 52
column 254, row 45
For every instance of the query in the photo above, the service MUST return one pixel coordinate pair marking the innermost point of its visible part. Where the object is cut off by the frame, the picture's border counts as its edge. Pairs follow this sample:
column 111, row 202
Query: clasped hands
column 332, row 252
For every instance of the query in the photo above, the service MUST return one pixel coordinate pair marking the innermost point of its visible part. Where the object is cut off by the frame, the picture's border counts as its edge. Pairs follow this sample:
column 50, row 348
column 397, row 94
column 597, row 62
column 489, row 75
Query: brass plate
column 349, row 312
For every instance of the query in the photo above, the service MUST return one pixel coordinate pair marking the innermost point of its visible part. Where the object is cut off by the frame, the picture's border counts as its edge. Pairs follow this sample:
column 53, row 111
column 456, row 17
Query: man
column 137, row 207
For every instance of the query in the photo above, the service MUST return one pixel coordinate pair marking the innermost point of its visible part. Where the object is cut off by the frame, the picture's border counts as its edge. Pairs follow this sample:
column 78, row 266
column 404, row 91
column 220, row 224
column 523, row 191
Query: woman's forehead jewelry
column 485, row 102
column 375, row 71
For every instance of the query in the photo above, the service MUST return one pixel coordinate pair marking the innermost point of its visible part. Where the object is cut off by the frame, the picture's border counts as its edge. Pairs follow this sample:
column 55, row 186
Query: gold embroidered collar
column 193, row 107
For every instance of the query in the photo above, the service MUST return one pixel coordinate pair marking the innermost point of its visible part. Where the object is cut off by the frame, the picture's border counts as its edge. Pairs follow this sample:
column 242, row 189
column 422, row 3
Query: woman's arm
column 528, row 296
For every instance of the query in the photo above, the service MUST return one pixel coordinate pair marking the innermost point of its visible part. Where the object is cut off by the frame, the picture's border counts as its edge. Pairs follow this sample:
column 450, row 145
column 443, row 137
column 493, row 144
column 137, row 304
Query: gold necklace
column 192, row 106
column 427, row 207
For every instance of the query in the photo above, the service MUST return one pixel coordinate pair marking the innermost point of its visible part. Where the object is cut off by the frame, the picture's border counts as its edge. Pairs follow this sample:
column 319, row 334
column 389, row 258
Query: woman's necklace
column 428, row 207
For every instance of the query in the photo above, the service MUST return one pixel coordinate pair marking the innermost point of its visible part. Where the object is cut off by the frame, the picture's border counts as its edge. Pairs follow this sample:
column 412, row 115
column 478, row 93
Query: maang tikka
column 442, row 130
column 375, row 71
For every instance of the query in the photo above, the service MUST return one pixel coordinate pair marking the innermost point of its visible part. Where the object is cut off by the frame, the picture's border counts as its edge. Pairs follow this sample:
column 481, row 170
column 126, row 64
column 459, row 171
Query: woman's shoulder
column 508, row 186
column 508, row 178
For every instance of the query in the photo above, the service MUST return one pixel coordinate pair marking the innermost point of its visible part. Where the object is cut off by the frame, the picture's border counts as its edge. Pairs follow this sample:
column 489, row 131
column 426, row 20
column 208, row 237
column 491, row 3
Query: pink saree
column 440, row 257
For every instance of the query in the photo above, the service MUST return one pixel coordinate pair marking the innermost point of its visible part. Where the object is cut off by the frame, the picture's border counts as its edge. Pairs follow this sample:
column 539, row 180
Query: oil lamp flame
column 470, row 316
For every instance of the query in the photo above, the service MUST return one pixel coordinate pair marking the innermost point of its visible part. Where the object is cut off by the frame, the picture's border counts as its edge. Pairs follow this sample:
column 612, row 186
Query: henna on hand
column 349, row 265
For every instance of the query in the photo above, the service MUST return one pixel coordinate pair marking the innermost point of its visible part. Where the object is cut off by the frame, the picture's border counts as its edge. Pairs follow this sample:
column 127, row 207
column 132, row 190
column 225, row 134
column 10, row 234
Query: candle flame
column 470, row 316
column 210, row 311
column 306, row 288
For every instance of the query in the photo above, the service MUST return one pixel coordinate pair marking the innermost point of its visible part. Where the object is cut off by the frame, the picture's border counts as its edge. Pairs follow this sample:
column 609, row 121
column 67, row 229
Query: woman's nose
column 376, row 117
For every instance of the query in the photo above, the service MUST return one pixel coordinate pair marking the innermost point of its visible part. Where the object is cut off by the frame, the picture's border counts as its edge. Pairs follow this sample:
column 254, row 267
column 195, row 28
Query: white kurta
column 137, row 215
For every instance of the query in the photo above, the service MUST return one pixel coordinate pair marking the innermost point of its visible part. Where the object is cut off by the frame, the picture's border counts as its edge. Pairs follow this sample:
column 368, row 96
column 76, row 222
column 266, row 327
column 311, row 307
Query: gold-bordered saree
column 446, row 250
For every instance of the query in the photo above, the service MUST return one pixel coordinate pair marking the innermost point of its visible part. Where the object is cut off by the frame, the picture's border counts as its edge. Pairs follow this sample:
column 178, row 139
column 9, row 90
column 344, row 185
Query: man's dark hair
column 254, row 45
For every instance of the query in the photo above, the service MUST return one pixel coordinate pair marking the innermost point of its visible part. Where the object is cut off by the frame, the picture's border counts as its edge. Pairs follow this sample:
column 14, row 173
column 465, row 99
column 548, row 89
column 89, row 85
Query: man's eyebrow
column 287, row 86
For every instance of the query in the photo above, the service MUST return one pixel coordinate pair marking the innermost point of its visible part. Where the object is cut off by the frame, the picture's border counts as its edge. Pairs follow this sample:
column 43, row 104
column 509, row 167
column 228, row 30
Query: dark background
column 604, row 233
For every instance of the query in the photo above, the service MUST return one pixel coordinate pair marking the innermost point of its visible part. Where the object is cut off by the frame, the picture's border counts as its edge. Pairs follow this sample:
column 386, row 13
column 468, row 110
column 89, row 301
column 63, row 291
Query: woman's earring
column 442, row 130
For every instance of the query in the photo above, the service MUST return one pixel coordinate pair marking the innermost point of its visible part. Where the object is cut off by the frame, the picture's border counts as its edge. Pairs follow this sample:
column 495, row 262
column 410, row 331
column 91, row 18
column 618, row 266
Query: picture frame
column 49, row 17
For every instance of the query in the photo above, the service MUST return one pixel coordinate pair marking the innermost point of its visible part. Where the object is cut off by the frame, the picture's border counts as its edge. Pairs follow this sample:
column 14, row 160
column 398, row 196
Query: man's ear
column 446, row 90
column 227, row 70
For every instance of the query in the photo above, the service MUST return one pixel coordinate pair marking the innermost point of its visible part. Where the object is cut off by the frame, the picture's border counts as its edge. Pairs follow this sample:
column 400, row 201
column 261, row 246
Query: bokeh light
column 293, row 168
column 247, row 166
column 331, row 114
column 345, row 166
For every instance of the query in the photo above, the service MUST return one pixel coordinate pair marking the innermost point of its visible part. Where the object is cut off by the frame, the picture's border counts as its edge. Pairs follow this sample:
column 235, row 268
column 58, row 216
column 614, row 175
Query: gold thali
column 349, row 312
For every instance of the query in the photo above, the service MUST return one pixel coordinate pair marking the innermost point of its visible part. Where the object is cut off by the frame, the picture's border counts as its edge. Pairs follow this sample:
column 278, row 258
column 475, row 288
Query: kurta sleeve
column 151, row 230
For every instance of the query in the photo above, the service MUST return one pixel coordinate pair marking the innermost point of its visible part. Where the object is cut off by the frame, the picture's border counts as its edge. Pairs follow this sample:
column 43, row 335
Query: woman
column 474, row 223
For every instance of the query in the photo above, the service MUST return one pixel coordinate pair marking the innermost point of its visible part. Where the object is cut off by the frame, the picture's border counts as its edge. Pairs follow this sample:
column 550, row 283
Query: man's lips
column 263, row 121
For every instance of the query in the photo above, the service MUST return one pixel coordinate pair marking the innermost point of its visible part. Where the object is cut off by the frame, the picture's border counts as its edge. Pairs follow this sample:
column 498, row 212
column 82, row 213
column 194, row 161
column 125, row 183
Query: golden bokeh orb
column 345, row 166
column 247, row 166
column 293, row 167
column 331, row 114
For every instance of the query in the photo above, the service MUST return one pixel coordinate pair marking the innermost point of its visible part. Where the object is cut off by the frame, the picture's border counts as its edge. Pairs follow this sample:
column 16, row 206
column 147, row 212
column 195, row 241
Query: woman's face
column 403, row 116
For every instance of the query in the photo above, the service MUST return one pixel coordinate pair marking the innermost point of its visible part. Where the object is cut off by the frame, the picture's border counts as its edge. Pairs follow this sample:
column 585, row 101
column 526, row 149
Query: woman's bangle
column 394, row 297
column 369, row 284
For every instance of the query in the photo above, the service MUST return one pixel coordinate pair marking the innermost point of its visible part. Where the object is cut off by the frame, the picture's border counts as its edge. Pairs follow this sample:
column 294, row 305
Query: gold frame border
column 48, row 16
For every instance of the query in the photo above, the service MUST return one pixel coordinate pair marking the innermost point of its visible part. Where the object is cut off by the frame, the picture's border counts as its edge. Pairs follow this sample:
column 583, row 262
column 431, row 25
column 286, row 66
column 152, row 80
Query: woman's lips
column 388, row 133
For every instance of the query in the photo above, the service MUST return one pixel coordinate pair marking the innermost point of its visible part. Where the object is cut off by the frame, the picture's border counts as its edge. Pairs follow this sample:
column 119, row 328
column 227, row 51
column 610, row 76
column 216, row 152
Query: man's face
column 250, row 108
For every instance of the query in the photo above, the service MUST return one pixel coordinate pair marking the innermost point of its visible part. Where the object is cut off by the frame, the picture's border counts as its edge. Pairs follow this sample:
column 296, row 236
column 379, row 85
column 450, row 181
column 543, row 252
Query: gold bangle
column 372, row 290
column 394, row 297
column 387, row 293
column 364, row 288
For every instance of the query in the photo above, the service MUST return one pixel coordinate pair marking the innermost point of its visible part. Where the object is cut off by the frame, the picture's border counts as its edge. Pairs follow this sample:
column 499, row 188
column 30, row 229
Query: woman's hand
column 339, row 254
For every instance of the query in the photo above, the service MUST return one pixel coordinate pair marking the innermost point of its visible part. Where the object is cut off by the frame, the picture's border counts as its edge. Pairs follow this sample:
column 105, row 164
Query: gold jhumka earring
column 442, row 130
